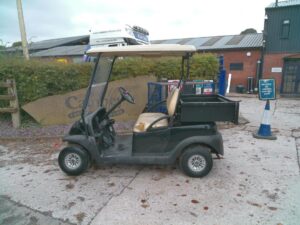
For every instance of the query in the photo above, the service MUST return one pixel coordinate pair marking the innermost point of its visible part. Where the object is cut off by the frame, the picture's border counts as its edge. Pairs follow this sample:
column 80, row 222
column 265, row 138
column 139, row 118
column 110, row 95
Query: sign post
column 267, row 92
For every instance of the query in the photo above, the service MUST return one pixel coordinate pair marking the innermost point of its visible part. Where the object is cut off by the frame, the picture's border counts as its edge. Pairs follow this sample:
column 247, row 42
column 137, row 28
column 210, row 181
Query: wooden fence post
column 13, row 102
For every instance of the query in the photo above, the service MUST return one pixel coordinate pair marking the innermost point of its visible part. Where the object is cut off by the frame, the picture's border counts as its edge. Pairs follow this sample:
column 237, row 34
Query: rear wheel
column 196, row 161
column 73, row 160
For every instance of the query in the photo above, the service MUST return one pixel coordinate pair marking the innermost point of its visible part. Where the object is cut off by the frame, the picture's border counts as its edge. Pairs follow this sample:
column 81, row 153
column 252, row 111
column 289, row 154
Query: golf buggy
column 183, row 134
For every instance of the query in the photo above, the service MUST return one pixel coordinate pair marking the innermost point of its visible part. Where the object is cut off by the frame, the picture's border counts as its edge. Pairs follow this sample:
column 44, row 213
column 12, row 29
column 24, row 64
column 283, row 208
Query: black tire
column 196, row 161
column 73, row 160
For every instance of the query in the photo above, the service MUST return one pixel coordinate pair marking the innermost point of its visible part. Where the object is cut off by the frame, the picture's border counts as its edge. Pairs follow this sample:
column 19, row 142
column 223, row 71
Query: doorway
column 291, row 77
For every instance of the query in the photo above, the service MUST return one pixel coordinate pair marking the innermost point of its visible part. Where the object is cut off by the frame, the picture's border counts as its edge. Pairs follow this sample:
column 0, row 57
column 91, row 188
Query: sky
column 164, row 19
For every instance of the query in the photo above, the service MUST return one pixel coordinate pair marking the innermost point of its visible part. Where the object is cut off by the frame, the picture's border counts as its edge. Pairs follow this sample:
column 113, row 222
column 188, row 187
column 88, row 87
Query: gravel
column 33, row 130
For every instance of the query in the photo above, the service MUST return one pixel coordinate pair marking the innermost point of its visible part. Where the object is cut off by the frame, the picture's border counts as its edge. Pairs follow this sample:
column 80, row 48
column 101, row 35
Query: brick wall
column 249, row 65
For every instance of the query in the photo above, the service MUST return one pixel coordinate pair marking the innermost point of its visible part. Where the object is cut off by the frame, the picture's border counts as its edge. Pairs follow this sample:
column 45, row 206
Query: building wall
column 282, row 35
column 239, row 77
column 275, row 61
column 282, row 31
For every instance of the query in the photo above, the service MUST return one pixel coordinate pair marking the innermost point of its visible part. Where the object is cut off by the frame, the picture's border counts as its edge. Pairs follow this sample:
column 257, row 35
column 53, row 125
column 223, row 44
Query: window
column 285, row 29
column 236, row 66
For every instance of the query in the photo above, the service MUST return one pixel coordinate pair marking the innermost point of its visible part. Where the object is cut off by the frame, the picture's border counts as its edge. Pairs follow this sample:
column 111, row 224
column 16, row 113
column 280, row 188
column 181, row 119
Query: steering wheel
column 126, row 95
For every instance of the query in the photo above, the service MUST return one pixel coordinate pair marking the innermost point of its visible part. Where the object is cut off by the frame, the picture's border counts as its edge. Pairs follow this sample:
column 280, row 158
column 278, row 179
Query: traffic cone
column 264, row 131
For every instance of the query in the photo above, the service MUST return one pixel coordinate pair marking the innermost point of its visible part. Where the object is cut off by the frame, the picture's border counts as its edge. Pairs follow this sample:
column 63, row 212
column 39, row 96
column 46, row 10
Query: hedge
column 36, row 79
column 203, row 66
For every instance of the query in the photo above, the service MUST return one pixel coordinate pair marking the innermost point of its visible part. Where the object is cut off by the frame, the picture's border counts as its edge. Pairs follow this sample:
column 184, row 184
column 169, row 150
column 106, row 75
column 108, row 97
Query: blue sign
column 267, row 89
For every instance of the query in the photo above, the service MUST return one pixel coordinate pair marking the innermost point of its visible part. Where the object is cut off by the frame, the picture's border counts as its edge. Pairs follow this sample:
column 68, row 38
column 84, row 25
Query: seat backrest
column 172, row 101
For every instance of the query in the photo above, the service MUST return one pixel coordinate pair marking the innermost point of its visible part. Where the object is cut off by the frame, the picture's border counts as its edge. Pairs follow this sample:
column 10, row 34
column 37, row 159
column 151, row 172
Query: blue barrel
column 222, row 82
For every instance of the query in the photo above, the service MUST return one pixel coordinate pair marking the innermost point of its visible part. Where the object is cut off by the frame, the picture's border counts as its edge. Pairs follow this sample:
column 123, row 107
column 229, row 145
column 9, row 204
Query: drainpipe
column 258, row 73
column 262, row 59
column 263, row 50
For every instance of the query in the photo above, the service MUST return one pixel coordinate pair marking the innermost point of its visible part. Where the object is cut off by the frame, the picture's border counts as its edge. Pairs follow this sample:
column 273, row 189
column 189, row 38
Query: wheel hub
column 72, row 161
column 197, row 163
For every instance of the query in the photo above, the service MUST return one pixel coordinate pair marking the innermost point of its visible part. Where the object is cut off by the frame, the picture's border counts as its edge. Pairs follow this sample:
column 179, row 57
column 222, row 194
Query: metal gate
column 291, row 77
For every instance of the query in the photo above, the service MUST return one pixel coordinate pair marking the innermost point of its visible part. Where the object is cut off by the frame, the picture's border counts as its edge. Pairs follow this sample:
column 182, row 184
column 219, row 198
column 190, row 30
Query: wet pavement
column 256, row 182
column 13, row 213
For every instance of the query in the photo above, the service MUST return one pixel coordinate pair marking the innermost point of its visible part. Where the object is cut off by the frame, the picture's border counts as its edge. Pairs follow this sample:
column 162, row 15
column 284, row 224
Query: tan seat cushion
column 172, row 101
column 145, row 119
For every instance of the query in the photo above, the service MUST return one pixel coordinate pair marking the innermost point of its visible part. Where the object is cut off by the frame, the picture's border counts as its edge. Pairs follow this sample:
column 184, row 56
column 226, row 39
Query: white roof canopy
column 144, row 50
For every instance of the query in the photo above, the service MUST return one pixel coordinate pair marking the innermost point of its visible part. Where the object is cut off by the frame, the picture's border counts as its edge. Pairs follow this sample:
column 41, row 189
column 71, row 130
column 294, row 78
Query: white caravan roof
column 144, row 50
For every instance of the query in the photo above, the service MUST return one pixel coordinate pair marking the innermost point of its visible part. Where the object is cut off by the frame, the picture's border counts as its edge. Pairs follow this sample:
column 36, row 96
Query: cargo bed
column 207, row 108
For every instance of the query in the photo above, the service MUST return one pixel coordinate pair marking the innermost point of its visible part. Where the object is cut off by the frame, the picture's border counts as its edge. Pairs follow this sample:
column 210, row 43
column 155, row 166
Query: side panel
column 213, row 141
column 154, row 141
column 207, row 108
column 177, row 140
column 178, row 134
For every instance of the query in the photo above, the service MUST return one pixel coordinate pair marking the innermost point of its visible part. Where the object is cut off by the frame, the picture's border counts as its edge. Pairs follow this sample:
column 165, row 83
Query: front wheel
column 196, row 161
column 73, row 160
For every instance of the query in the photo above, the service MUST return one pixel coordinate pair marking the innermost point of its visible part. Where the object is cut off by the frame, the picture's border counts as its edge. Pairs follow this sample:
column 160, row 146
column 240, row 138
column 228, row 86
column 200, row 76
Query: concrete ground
column 257, row 182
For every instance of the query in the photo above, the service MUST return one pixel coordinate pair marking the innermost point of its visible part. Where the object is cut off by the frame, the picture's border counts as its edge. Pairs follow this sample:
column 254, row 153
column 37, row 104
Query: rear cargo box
column 208, row 108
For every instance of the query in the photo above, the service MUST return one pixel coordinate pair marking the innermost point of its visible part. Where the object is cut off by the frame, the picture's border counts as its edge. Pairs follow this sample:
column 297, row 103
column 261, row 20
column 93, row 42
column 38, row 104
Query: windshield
column 98, row 84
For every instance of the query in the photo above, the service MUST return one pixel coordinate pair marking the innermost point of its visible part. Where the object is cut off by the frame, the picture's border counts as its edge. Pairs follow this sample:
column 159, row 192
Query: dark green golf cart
column 187, row 133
